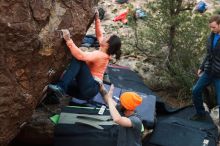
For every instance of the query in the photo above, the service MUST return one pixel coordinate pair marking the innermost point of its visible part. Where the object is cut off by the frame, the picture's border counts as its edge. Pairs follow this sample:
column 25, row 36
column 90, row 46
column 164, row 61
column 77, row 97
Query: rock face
column 32, row 54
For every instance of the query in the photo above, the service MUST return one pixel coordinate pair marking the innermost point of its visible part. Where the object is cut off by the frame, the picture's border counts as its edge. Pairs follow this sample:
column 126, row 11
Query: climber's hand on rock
column 96, row 14
column 66, row 34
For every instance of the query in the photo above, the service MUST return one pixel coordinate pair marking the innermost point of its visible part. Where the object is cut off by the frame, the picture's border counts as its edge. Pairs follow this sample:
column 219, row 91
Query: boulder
column 33, row 54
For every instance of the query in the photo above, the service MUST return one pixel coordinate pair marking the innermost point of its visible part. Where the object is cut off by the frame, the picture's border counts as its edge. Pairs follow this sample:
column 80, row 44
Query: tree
column 171, row 33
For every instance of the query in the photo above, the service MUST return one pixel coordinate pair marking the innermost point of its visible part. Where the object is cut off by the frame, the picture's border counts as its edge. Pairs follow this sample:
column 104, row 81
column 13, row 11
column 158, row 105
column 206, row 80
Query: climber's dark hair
column 114, row 46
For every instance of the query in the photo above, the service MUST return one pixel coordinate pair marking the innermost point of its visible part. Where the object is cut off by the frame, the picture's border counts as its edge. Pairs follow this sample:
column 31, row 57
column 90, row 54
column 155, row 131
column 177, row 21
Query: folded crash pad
column 85, row 127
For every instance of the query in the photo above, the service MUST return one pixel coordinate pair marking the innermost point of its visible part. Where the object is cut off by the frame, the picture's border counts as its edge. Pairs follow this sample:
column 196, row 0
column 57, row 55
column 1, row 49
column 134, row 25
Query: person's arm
column 201, row 68
column 98, row 28
column 75, row 51
column 207, row 56
column 117, row 118
column 104, row 93
column 203, row 63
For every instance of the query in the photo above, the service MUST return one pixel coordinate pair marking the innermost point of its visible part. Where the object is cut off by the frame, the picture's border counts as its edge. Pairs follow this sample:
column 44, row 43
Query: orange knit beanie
column 130, row 100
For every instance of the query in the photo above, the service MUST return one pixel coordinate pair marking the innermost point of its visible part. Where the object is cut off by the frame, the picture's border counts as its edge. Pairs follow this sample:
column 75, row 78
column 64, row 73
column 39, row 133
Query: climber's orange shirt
column 97, row 61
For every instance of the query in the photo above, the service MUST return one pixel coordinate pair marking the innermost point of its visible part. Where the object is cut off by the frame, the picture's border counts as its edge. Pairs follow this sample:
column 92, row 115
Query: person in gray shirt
column 130, row 124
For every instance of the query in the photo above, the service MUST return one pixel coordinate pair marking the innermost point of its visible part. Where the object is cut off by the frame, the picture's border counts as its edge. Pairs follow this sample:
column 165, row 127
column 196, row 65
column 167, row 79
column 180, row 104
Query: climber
column 83, row 77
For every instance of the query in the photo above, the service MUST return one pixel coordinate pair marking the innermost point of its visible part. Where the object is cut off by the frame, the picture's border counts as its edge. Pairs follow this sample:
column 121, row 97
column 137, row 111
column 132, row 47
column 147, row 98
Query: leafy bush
column 174, row 35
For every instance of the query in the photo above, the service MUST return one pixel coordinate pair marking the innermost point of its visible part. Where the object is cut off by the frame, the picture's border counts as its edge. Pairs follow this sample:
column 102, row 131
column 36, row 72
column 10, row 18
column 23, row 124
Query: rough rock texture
column 32, row 54
column 40, row 129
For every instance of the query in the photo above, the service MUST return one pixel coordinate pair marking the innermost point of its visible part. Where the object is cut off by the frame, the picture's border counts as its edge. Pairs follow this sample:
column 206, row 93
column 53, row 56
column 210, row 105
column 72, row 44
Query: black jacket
column 211, row 63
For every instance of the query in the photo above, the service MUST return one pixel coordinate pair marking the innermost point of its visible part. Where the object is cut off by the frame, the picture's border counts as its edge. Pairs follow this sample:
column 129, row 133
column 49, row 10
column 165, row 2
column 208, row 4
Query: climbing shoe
column 58, row 91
